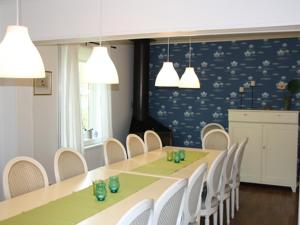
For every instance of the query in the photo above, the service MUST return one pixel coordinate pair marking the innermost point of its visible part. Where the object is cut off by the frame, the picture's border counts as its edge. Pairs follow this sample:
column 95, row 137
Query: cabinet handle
column 245, row 114
column 263, row 147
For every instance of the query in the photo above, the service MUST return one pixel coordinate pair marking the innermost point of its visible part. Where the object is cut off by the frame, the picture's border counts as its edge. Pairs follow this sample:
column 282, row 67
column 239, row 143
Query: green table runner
column 80, row 205
column 163, row 167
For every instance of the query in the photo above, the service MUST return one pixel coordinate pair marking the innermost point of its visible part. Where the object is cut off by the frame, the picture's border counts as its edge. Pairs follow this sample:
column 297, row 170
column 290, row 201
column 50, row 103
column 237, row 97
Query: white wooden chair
column 168, row 209
column 225, row 188
column 235, row 184
column 192, row 202
column 210, row 126
column 22, row 175
column 216, row 139
column 135, row 145
column 210, row 202
column 140, row 214
column 68, row 163
column 114, row 151
column 152, row 140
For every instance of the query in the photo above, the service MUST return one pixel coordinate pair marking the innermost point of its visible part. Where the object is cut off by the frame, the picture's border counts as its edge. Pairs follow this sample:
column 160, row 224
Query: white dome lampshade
column 189, row 79
column 100, row 68
column 19, row 58
column 167, row 76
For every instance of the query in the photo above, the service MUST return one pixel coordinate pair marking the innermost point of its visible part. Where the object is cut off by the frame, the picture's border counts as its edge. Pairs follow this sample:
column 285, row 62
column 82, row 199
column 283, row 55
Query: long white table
column 111, row 215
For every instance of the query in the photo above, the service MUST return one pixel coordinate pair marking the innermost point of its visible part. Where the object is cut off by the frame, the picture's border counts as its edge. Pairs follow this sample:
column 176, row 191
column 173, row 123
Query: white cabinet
column 271, row 153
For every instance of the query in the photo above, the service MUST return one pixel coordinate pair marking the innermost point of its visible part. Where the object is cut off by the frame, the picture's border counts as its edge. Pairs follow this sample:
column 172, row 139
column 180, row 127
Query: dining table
column 72, row 201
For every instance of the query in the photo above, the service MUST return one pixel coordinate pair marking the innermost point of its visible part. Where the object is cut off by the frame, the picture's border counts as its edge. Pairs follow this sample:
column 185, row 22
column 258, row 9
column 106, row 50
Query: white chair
column 225, row 188
column 152, row 140
column 135, row 145
column 216, row 139
column 210, row 202
column 169, row 207
column 209, row 127
column 140, row 214
column 235, row 185
column 68, row 163
column 192, row 202
column 114, row 151
column 22, row 175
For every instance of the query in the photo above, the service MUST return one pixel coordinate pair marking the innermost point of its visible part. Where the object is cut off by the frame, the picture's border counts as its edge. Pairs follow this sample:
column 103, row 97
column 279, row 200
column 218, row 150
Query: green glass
column 114, row 184
column 94, row 186
column 169, row 155
column 176, row 157
column 182, row 154
column 101, row 191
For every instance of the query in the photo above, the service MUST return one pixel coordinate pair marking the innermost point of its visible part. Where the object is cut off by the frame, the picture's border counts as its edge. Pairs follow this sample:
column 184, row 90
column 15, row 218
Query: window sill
column 88, row 147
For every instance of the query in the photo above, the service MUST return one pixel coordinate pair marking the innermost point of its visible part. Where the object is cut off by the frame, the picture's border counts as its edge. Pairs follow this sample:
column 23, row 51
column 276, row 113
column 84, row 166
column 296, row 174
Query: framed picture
column 43, row 86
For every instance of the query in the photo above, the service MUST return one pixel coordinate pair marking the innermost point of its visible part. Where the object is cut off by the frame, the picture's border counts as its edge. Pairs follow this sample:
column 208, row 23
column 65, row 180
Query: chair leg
column 206, row 220
column 237, row 201
column 221, row 212
column 216, row 218
column 227, row 211
column 232, row 203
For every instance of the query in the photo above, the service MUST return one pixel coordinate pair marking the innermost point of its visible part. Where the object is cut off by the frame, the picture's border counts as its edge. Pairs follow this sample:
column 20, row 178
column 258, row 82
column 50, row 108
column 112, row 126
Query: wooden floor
column 265, row 205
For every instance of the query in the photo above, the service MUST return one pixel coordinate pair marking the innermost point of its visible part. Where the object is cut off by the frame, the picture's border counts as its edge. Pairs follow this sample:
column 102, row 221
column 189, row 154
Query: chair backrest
column 152, row 140
column 68, row 163
column 169, row 207
column 193, row 195
column 216, row 139
column 140, row 214
column 238, row 158
column 22, row 175
column 135, row 145
column 214, row 178
column 114, row 151
column 210, row 126
column 228, row 167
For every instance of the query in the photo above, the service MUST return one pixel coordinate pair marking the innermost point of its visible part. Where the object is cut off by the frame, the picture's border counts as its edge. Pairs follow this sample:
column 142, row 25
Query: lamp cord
column 168, row 48
column 190, row 52
column 100, row 22
column 17, row 5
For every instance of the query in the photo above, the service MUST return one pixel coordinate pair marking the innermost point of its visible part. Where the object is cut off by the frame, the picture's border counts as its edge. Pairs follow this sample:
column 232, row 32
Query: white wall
column 122, row 93
column 16, row 121
column 45, row 114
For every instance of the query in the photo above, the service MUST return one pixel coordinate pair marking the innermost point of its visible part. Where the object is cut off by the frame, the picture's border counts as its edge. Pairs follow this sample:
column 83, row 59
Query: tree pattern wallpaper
column 222, row 67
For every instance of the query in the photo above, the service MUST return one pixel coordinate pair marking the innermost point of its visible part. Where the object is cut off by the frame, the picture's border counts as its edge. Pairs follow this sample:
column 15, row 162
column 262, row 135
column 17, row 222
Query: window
column 95, row 110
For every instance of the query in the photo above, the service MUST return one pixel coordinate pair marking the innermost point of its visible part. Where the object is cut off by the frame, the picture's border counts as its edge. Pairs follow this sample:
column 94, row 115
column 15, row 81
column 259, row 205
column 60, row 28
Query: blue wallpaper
column 222, row 68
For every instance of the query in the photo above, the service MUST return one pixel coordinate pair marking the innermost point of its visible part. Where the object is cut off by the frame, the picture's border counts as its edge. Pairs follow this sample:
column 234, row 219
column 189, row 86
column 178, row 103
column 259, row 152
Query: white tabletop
column 111, row 215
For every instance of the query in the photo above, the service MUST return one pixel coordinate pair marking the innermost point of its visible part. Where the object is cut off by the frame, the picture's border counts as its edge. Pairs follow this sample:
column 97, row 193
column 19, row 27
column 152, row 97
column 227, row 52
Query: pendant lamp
column 167, row 76
column 19, row 58
column 100, row 68
column 189, row 78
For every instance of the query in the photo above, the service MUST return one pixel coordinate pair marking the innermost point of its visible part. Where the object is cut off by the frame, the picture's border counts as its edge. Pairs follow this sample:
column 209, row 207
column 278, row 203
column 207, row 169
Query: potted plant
column 292, row 87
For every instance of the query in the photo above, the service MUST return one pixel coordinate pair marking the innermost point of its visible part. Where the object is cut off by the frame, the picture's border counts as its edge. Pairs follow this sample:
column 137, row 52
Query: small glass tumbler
column 182, row 154
column 176, row 157
column 94, row 186
column 114, row 184
column 101, row 191
column 169, row 155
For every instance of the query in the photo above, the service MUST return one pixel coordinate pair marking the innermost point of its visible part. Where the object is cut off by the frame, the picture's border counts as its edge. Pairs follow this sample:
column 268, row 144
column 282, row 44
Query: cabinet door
column 251, row 167
column 280, row 154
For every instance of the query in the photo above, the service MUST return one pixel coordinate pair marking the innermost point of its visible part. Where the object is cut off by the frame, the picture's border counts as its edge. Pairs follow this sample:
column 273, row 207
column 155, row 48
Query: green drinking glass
column 114, row 184
column 176, row 157
column 94, row 186
column 182, row 154
column 169, row 155
column 101, row 191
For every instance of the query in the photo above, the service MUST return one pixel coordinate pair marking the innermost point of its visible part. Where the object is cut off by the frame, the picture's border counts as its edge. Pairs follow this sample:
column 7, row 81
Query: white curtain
column 69, row 98
column 100, row 114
